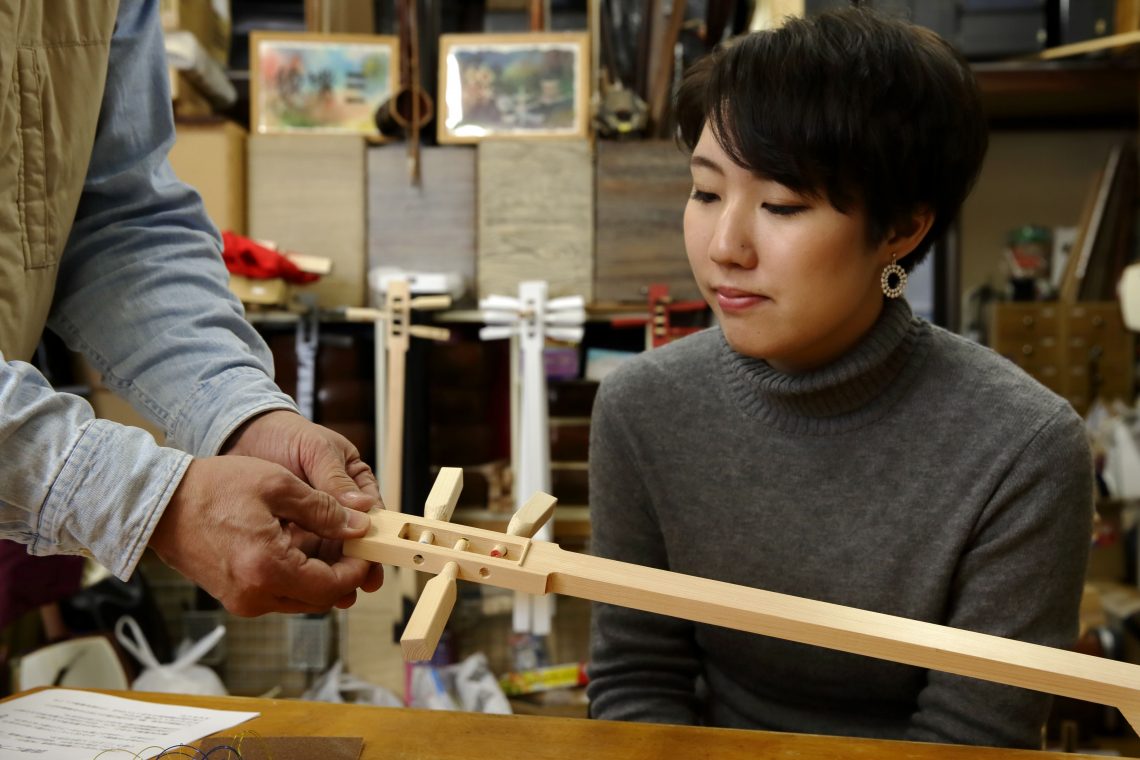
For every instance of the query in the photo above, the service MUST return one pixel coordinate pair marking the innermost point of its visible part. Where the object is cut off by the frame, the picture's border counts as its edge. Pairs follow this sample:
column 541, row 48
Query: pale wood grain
column 425, row 626
column 444, row 494
column 528, row 565
column 536, row 216
column 306, row 194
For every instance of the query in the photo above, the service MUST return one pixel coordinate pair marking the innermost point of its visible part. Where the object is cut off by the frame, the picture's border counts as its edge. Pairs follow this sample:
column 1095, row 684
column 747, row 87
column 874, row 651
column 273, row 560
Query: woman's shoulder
column 670, row 369
column 975, row 376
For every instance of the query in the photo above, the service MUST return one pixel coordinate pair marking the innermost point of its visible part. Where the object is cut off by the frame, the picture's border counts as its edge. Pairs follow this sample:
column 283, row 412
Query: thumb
column 321, row 514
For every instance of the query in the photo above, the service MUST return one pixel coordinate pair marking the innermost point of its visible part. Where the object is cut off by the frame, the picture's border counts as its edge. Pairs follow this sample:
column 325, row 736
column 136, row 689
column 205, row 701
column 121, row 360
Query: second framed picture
column 326, row 83
column 527, row 85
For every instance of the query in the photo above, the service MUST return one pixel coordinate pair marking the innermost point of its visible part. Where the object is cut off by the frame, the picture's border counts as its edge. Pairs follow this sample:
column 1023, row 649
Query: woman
column 822, row 441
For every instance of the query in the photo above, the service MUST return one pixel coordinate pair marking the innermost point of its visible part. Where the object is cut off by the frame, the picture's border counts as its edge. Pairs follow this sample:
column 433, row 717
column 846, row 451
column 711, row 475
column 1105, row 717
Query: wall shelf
column 1072, row 93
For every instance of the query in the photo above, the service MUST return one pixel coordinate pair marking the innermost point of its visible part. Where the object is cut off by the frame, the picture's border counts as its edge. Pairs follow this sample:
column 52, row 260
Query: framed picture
column 533, row 85
column 325, row 83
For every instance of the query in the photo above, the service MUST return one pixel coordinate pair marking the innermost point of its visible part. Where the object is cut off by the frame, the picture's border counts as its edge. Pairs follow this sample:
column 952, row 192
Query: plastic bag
column 469, row 685
column 337, row 686
column 184, row 675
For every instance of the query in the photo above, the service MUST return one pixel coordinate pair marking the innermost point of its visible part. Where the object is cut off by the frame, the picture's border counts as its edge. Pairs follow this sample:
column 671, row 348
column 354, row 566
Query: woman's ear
column 906, row 234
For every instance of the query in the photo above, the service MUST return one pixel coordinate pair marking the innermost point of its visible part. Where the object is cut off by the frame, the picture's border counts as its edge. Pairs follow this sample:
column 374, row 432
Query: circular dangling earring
column 899, row 275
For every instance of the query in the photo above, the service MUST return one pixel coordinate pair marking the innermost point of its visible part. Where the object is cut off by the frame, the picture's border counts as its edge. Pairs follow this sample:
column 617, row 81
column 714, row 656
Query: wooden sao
column 539, row 567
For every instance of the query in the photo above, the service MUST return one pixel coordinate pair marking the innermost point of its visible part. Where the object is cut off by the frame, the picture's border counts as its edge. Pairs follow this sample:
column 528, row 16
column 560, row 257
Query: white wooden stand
column 528, row 320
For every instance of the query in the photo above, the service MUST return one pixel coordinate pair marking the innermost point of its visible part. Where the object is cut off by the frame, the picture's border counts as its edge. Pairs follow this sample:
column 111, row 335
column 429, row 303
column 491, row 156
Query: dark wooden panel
column 642, row 189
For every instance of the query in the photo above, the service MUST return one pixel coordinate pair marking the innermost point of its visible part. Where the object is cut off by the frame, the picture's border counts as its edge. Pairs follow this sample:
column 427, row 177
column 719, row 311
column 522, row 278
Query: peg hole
column 484, row 572
column 418, row 559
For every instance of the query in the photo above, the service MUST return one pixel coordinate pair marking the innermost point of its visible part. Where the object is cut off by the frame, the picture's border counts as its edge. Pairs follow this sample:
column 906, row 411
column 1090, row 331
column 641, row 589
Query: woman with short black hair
column 822, row 441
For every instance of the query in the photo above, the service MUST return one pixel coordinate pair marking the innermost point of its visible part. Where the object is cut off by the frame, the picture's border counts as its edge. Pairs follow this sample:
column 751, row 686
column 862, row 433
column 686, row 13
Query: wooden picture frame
column 513, row 86
column 320, row 83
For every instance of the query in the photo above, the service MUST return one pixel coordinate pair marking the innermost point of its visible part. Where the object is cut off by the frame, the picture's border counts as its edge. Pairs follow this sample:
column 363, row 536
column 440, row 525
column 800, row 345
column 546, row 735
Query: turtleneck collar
column 851, row 391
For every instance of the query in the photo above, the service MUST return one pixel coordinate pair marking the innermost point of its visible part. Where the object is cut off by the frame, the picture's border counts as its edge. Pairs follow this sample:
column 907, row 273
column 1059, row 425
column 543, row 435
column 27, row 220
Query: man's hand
column 258, row 539
column 324, row 459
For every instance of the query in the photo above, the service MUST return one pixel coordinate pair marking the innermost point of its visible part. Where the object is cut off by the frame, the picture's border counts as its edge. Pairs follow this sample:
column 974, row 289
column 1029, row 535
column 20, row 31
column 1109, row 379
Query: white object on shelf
column 448, row 283
column 530, row 319
column 1129, row 290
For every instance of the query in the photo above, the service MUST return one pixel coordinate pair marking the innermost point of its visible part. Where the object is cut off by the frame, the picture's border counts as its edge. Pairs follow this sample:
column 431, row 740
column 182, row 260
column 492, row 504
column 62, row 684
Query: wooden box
column 642, row 188
column 536, row 216
column 307, row 194
column 210, row 157
column 1080, row 350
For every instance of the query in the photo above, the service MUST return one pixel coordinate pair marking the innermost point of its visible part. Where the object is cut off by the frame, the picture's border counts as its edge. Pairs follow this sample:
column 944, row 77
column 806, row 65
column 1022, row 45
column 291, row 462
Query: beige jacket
column 53, row 63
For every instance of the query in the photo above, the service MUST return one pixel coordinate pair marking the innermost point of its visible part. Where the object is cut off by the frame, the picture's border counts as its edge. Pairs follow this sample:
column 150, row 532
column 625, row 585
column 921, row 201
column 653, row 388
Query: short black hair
column 850, row 105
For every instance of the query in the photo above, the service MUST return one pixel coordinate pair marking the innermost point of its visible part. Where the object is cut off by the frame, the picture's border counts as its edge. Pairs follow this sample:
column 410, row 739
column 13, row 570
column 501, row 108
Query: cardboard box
column 273, row 292
column 208, row 20
column 187, row 100
column 211, row 158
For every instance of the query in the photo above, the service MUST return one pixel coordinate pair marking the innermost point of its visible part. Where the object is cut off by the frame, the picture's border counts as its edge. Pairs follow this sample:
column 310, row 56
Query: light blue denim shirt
column 142, row 294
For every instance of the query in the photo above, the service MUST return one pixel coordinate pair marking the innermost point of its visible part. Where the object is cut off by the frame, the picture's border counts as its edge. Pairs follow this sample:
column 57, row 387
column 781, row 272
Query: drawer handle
column 1027, row 321
column 1098, row 321
column 1027, row 349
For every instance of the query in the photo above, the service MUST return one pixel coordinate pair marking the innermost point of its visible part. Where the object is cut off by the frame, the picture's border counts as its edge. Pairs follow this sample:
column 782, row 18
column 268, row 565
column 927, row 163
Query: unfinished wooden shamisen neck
column 512, row 560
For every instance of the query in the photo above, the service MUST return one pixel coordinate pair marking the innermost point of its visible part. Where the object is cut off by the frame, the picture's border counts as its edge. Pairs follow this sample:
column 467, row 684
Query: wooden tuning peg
column 444, row 495
column 425, row 626
column 531, row 516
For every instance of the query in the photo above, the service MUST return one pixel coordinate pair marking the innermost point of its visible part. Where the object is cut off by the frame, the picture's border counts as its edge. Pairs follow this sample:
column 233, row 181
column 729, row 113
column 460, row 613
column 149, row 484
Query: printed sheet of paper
column 64, row 724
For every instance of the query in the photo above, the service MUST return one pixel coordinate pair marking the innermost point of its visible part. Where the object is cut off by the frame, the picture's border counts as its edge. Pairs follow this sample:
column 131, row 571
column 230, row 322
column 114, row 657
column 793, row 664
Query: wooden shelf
column 1070, row 93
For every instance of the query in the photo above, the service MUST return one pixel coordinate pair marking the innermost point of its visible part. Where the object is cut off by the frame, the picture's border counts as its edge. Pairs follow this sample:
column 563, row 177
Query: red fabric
column 249, row 259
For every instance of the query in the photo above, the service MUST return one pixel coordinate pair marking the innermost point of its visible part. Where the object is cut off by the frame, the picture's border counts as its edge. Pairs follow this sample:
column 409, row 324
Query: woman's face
column 791, row 279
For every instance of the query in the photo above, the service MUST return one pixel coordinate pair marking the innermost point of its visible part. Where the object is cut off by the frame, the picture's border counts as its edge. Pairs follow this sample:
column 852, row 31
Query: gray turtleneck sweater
column 920, row 475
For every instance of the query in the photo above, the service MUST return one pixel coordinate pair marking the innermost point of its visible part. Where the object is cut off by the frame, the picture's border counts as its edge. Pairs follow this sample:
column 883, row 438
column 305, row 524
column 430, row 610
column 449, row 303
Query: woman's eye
column 700, row 196
column 783, row 210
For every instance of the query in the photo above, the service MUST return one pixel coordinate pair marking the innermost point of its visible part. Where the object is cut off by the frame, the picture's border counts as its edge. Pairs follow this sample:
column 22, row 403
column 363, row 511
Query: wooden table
column 405, row 734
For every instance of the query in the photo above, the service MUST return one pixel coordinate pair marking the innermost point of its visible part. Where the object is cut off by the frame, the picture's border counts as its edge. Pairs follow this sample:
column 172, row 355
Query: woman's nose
column 732, row 242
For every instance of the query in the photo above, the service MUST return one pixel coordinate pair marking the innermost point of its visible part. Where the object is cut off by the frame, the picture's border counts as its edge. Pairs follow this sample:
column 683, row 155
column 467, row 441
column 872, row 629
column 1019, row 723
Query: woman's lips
column 731, row 299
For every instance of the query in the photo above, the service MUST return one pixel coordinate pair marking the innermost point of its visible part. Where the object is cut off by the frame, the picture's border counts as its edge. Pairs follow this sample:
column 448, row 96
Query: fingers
column 258, row 539
column 317, row 512
column 365, row 480
column 332, row 464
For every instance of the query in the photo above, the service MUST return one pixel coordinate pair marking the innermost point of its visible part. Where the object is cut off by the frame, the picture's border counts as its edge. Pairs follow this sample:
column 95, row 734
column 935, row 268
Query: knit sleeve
column 1022, row 578
column 643, row 667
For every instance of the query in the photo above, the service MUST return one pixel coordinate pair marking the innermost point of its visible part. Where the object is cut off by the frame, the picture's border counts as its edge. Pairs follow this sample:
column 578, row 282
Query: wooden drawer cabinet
column 1076, row 350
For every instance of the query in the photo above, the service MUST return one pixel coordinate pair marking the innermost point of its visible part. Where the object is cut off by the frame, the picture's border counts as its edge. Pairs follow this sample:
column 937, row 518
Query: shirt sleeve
column 142, row 289
column 142, row 294
column 643, row 667
column 1021, row 578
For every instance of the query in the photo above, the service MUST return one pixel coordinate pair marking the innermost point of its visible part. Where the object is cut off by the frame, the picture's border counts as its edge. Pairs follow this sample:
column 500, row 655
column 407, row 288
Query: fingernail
column 354, row 497
column 357, row 520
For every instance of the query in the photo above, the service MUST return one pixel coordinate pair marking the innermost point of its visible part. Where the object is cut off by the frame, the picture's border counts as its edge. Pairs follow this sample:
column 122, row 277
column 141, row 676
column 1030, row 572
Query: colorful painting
column 523, row 85
column 328, row 83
